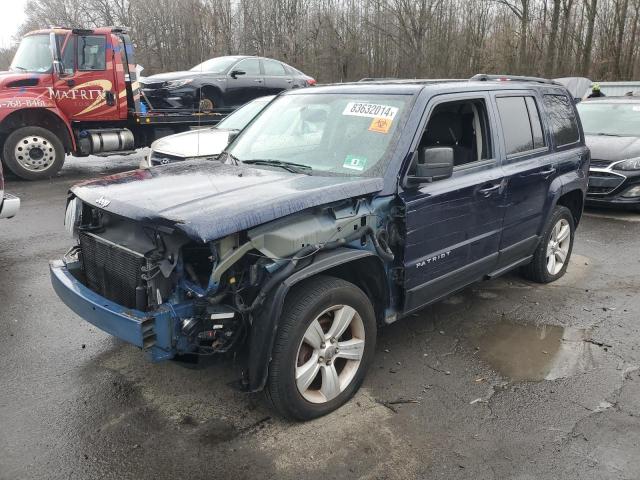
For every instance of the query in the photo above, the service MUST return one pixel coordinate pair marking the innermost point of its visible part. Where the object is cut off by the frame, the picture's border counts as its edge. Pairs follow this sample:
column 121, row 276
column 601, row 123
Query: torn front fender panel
column 154, row 331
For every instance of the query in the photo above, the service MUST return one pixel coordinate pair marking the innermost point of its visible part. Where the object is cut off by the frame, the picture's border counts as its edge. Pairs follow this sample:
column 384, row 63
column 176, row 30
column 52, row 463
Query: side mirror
column 235, row 73
column 434, row 163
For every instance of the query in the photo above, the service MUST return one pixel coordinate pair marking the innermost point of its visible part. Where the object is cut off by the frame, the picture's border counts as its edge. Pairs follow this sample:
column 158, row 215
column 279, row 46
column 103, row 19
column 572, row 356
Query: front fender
column 265, row 325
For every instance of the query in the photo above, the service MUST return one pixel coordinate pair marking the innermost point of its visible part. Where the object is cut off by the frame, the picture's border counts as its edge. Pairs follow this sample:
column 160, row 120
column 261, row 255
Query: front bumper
column 171, row 99
column 9, row 206
column 155, row 332
column 607, row 188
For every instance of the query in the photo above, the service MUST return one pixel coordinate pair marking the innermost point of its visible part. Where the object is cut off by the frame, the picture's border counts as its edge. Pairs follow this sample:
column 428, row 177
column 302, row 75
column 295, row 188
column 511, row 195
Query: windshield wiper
column 19, row 68
column 290, row 166
column 229, row 155
column 602, row 134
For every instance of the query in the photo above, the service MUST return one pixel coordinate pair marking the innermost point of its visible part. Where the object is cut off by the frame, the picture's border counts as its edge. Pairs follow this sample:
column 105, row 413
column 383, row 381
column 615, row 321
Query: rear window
column 520, row 124
column 562, row 120
column 273, row 68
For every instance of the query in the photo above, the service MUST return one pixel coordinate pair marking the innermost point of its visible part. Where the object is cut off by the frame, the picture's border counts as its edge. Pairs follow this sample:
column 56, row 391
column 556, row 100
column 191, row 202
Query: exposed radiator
column 111, row 270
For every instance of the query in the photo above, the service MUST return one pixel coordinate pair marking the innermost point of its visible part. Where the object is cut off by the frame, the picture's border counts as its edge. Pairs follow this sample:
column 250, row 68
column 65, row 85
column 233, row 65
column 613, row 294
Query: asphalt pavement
column 505, row 380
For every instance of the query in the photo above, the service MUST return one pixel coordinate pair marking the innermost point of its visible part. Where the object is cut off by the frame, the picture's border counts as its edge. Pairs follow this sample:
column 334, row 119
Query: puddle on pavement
column 534, row 353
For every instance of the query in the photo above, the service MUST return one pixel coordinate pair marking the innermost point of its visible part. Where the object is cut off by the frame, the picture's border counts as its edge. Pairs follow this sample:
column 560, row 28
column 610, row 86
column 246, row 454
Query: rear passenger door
column 276, row 77
column 529, row 168
column 453, row 226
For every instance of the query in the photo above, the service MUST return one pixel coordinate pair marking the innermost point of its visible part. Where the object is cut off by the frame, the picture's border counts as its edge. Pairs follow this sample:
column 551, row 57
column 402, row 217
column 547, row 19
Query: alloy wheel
column 558, row 246
column 330, row 354
column 35, row 153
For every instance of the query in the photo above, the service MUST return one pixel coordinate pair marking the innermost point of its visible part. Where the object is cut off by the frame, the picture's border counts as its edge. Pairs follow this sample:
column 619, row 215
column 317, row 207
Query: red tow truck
column 76, row 91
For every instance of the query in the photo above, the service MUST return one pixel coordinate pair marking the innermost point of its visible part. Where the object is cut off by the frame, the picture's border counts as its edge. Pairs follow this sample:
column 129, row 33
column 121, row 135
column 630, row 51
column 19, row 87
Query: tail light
column 311, row 82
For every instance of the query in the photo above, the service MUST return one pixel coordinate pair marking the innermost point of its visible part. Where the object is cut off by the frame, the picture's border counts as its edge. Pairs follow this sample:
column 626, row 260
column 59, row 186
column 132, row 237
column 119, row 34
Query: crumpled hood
column 195, row 143
column 613, row 148
column 209, row 200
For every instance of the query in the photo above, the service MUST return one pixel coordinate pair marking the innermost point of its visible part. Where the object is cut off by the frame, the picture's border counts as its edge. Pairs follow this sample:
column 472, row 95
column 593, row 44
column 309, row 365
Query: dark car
column 310, row 235
column 612, row 129
column 222, row 84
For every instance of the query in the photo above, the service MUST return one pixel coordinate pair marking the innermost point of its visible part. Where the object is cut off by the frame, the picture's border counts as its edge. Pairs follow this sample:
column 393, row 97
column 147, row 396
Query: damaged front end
column 157, row 288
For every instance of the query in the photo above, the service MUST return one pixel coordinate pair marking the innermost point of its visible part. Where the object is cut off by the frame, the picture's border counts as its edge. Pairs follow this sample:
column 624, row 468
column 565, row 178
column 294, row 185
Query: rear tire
column 33, row 153
column 324, row 346
column 551, row 258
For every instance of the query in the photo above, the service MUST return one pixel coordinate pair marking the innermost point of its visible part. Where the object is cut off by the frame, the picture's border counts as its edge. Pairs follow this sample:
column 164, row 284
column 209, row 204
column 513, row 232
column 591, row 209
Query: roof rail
column 483, row 77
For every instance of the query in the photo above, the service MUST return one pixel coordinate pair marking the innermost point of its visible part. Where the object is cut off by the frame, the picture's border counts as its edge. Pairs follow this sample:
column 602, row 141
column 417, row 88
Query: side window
column 520, row 124
column 273, row 68
column 564, row 126
column 251, row 66
column 92, row 52
column 463, row 126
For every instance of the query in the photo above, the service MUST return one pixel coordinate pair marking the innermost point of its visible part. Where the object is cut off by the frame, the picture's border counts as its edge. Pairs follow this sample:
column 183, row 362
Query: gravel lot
column 506, row 380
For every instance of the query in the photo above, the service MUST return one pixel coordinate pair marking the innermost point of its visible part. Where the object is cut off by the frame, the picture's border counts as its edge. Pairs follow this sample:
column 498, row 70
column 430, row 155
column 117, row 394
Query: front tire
column 325, row 344
column 552, row 256
column 33, row 153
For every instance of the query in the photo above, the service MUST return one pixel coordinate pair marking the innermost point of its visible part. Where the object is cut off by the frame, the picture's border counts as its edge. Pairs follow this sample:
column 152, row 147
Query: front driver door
column 87, row 88
column 453, row 226
column 247, row 86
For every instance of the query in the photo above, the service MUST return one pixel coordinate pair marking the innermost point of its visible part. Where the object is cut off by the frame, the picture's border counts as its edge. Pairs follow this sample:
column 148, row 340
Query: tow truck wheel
column 325, row 344
column 33, row 153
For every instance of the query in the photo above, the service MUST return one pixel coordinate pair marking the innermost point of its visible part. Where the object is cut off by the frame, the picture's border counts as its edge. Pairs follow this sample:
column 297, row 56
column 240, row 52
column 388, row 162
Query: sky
column 11, row 16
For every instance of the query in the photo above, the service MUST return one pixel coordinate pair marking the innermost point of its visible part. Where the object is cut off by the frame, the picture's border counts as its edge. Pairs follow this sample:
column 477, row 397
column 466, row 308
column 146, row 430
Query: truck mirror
column 433, row 163
column 235, row 73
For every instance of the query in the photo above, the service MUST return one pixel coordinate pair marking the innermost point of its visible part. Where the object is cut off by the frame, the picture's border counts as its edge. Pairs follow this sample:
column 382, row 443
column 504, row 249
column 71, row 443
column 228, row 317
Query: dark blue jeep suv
column 337, row 210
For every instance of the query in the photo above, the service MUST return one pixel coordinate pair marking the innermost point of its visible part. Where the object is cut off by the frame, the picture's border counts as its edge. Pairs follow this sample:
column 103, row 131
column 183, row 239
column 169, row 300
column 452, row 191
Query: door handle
column 547, row 173
column 110, row 98
column 289, row 80
column 488, row 191
column 258, row 80
column 71, row 83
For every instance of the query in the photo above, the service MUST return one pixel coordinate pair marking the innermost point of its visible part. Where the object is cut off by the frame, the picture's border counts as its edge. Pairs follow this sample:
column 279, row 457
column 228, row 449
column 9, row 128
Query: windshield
column 33, row 55
column 241, row 117
column 215, row 65
column 620, row 119
column 342, row 134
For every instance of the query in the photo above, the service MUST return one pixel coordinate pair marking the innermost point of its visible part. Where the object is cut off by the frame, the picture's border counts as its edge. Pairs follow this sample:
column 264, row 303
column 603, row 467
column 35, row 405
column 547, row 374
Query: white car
column 204, row 143
column 9, row 204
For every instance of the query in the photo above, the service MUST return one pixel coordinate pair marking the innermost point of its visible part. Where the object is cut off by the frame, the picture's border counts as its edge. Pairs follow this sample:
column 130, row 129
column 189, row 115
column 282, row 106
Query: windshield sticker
column 371, row 110
column 353, row 162
column 380, row 125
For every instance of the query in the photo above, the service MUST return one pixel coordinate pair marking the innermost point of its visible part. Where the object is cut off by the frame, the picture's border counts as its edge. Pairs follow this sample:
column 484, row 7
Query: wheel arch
column 213, row 90
column 38, row 117
column 574, row 201
column 360, row 267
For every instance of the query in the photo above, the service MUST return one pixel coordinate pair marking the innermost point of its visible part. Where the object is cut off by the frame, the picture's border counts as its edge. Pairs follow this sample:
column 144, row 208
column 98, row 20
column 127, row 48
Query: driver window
column 463, row 126
column 251, row 66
